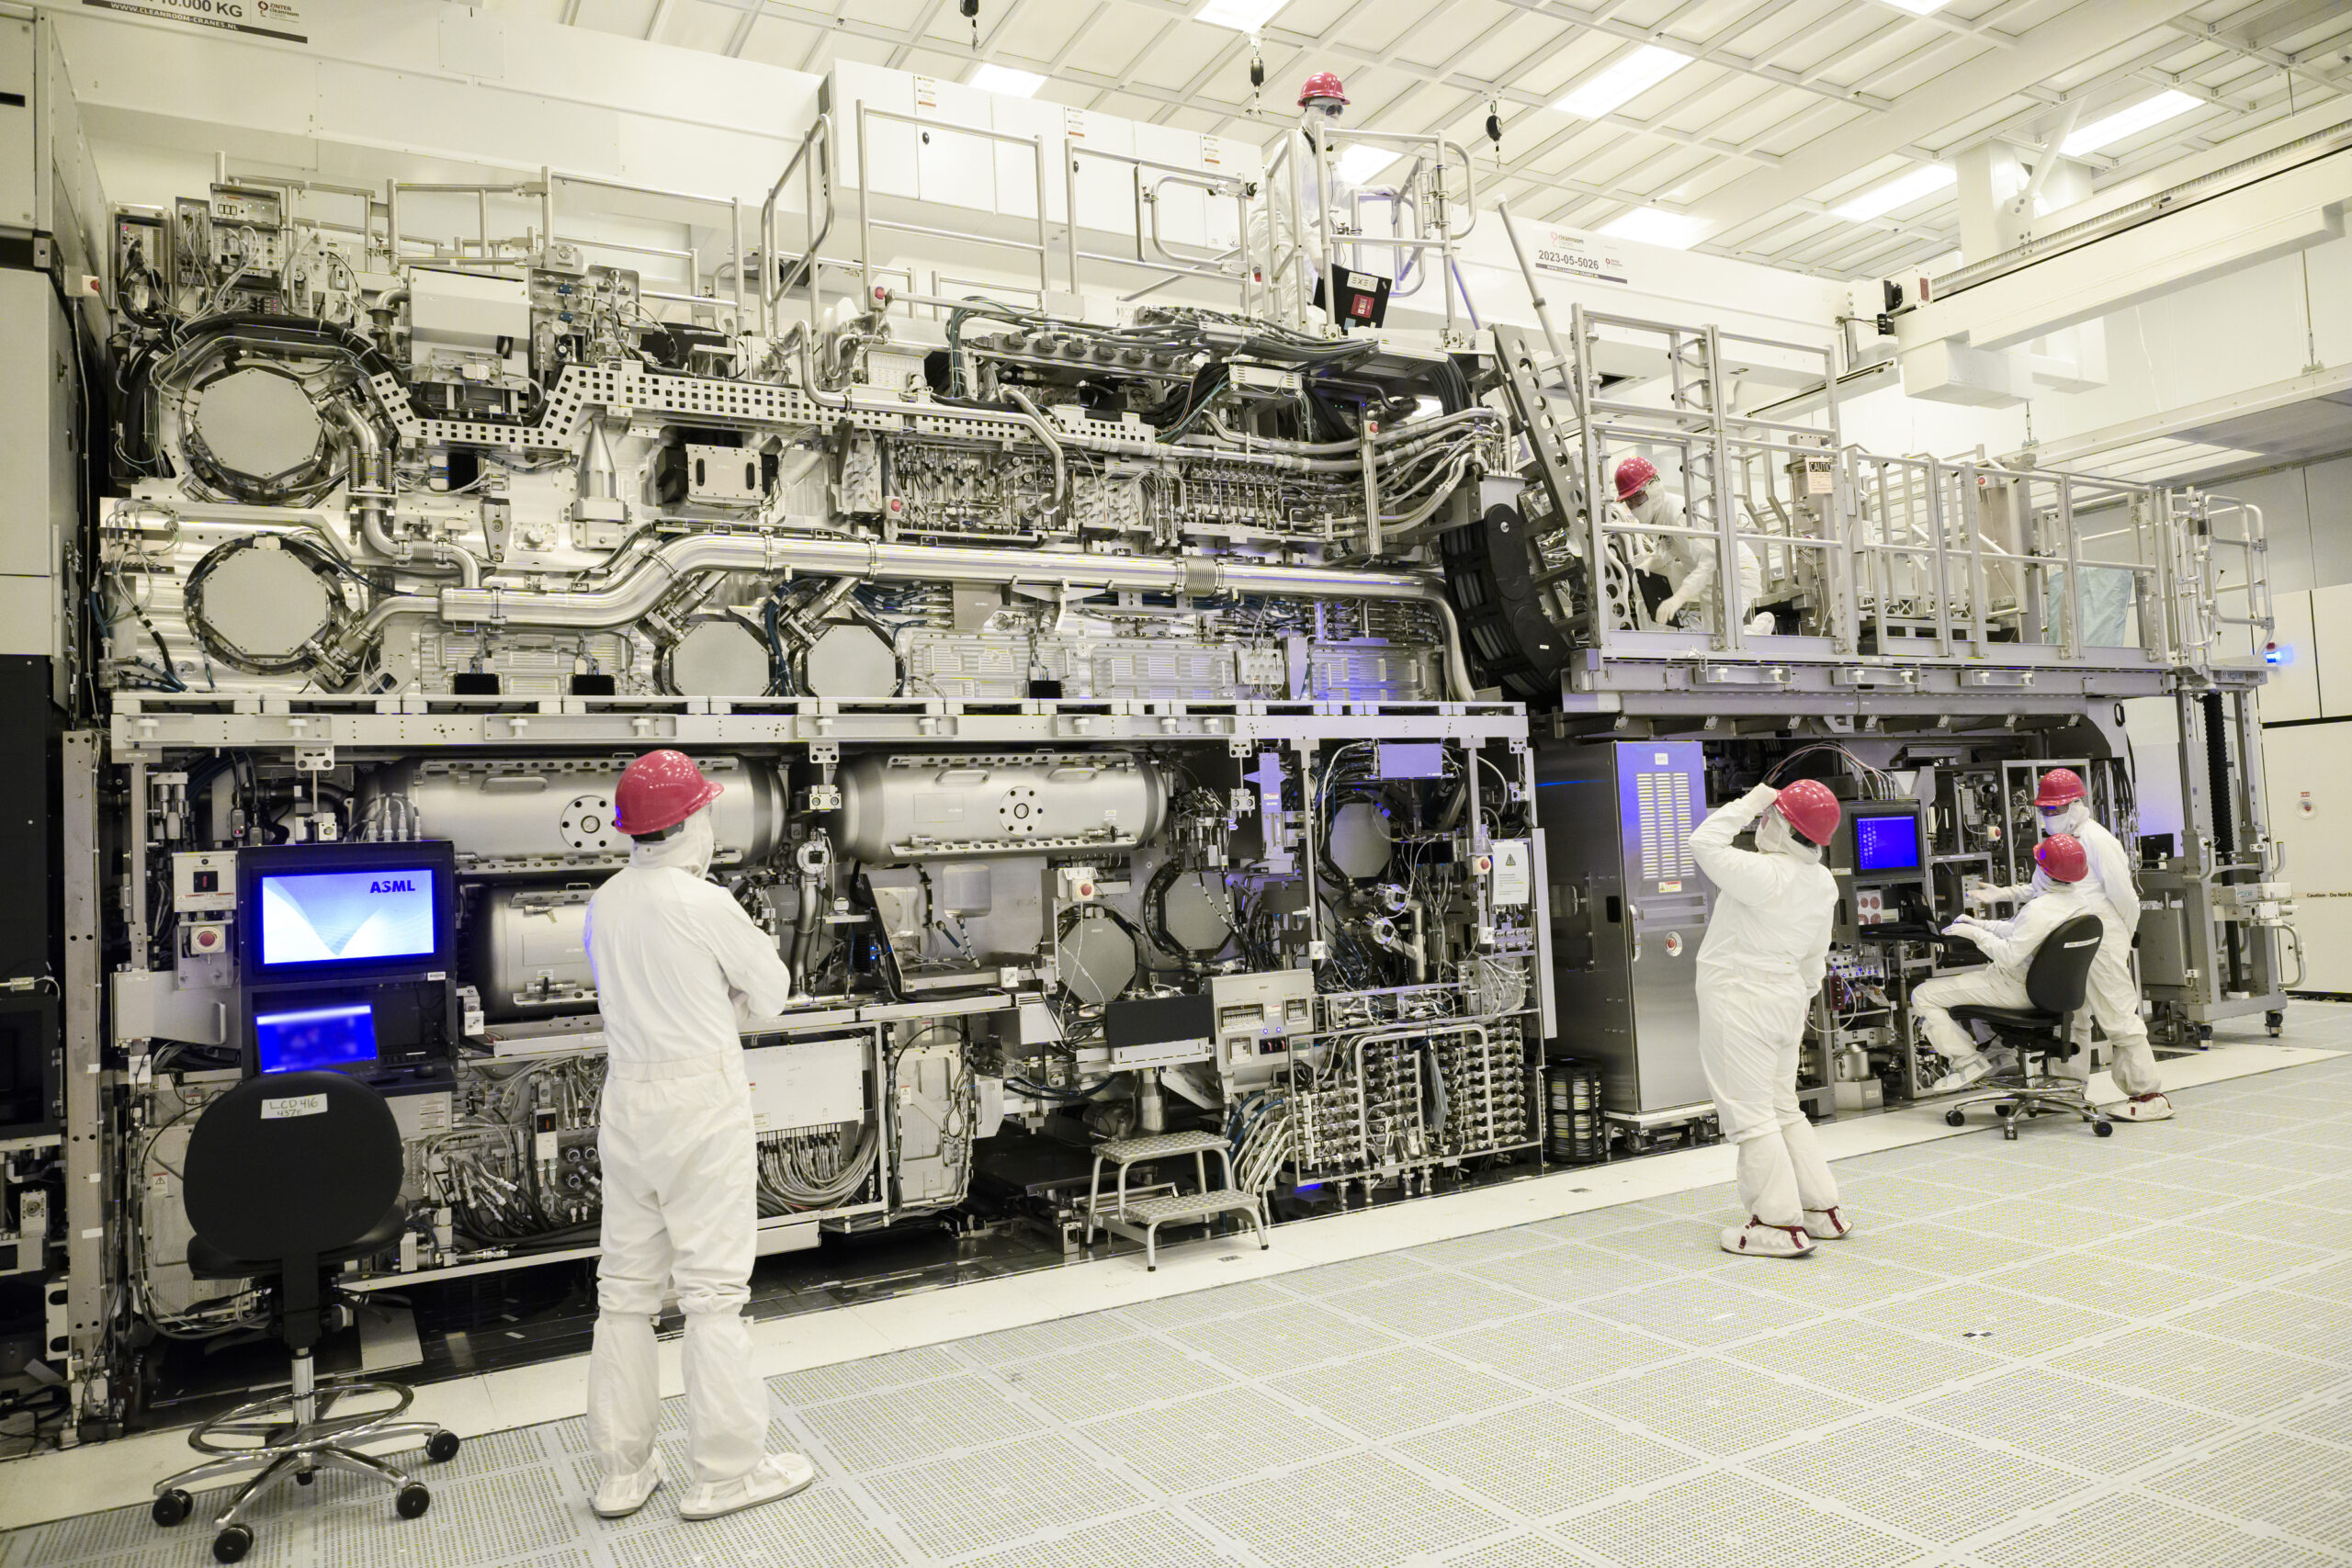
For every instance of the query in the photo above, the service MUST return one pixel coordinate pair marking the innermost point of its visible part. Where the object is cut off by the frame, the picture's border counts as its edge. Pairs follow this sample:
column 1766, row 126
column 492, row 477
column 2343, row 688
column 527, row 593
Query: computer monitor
column 1887, row 847
column 323, row 913
column 310, row 1038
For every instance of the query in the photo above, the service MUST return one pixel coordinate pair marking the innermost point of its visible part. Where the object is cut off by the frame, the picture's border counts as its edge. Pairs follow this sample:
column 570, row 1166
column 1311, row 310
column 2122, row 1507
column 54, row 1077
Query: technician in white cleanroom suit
column 1759, row 969
column 1321, row 101
column 2064, row 808
column 1684, row 560
column 2008, row 947
column 675, row 961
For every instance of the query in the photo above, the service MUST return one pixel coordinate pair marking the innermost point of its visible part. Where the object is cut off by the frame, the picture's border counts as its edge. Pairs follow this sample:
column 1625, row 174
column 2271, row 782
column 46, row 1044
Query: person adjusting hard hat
column 1759, row 969
column 677, row 965
column 2008, row 947
column 2113, row 893
column 1687, row 563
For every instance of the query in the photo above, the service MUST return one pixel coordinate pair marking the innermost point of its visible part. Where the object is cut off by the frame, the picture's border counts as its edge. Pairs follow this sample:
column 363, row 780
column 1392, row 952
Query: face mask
column 1775, row 837
column 2066, row 818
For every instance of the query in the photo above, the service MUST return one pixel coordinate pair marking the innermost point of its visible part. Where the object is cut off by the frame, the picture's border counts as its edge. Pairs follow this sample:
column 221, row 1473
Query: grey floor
column 2057, row 1353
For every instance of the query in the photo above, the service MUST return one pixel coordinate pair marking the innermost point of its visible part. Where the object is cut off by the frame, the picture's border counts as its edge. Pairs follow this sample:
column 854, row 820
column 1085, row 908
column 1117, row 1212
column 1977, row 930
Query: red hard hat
column 661, row 790
column 2061, row 855
column 1322, row 84
column 1632, row 475
column 1807, row 804
column 2059, row 787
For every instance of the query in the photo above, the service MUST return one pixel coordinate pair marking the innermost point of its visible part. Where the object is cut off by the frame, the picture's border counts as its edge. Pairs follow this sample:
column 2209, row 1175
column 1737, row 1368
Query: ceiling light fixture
column 1651, row 226
column 1241, row 15
column 1923, row 181
column 2124, row 124
column 1005, row 79
column 1918, row 7
column 1625, row 81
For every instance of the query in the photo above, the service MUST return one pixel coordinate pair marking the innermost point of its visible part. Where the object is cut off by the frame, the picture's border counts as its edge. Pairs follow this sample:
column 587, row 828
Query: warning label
column 264, row 18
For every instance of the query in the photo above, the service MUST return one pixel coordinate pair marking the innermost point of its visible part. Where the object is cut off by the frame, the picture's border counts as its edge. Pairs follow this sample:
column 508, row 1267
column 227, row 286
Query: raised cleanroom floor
column 2057, row 1353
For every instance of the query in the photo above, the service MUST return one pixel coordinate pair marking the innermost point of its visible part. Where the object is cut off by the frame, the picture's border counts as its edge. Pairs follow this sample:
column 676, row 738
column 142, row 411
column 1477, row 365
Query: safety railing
column 1303, row 247
column 1154, row 251
column 867, row 115
column 814, row 159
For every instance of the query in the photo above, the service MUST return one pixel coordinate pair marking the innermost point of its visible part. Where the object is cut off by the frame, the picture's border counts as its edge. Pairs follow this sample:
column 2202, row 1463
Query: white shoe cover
column 1964, row 1071
column 1757, row 1239
column 779, row 1475
column 1827, row 1224
column 2142, row 1108
column 618, row 1496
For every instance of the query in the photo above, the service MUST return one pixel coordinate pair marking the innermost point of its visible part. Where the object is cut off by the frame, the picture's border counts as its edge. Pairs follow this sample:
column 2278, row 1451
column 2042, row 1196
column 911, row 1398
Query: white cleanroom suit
column 1759, row 969
column 1688, row 563
column 2112, row 892
column 2008, row 947
column 673, row 955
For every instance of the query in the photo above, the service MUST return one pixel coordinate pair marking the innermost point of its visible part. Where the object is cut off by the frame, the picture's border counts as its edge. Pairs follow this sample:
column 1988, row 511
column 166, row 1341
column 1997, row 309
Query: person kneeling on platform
column 2008, row 947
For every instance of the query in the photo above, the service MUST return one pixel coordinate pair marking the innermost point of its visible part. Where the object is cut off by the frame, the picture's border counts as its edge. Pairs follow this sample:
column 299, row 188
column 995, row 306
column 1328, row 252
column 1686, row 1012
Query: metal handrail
column 814, row 157
column 867, row 223
column 1149, row 237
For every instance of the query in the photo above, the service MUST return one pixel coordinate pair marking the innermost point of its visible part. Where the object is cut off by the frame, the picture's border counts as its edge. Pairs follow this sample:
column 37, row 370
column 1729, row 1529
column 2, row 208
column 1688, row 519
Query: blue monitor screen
column 306, row 1038
column 339, row 916
column 1886, row 843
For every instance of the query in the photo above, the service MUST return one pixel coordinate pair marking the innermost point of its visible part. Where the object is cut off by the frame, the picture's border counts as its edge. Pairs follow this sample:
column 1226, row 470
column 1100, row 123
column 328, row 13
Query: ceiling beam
column 2079, row 33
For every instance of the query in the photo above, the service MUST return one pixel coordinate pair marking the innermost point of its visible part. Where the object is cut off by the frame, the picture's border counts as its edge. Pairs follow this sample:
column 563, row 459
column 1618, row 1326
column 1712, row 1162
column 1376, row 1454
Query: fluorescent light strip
column 2124, row 124
column 1241, row 15
column 1626, row 80
column 1649, row 226
column 1924, row 180
column 1918, row 7
column 1006, row 80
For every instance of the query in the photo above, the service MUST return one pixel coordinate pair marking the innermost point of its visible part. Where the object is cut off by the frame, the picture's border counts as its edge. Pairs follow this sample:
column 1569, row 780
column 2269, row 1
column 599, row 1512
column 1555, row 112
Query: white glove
column 1671, row 608
column 1965, row 927
column 1980, row 896
column 1762, row 795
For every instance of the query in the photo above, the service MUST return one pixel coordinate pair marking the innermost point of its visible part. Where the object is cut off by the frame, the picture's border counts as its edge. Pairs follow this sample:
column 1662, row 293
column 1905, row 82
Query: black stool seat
column 2007, row 1018
column 207, row 1261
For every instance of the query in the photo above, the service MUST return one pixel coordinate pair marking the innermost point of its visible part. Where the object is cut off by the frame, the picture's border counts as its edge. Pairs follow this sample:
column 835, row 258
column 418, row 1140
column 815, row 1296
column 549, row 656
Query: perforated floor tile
column 2225, row 1179
column 1836, row 1276
column 1097, row 1381
column 1673, row 1244
column 2128, row 1198
column 1046, row 1339
column 1705, row 1311
column 1729, row 1522
column 1866, row 1360
column 1542, row 1460
column 1334, row 1279
column 1557, row 1349
column 1279, row 1340
column 821, row 1524
column 1394, row 1392
column 1940, row 1247
column 2302, row 1487
column 2330, row 1422
column 2088, row 1425
column 1983, row 1317
column 1717, row 1407
column 1363, row 1510
column 2194, row 1369
column 2299, row 1325
column 1519, row 1552
column 1156, row 1539
column 896, row 1426
column 2036, row 1223
column 1212, row 1440
column 894, row 1371
column 1475, row 1253
column 2226, row 1255
column 1699, row 1202
column 479, row 1520
column 2143, row 1533
column 1204, row 1306
column 1576, row 1271
column 2090, row 1279
column 2323, row 1228
column 1892, row 1197
column 1914, row 1478
column 999, row 1496
column 1437, row 1305
column 2333, row 1281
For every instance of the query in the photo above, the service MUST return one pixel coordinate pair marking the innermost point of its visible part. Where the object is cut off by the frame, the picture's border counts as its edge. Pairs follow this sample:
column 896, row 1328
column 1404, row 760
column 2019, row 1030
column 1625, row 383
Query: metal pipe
column 635, row 595
column 371, row 499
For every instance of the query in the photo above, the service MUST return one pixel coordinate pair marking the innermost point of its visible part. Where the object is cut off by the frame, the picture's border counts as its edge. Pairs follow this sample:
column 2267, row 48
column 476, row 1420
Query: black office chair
column 288, row 1177
column 2055, row 983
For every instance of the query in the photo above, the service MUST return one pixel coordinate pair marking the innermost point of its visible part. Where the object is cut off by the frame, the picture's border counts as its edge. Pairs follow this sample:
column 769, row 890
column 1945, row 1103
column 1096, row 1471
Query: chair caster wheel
column 170, row 1507
column 442, row 1448
column 306, row 1478
column 1955, row 1119
column 413, row 1501
column 2010, row 1133
column 2104, row 1129
column 231, row 1543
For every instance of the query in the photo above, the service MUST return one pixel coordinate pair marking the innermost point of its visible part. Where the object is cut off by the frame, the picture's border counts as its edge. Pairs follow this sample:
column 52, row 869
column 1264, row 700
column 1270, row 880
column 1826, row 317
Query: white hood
column 688, row 849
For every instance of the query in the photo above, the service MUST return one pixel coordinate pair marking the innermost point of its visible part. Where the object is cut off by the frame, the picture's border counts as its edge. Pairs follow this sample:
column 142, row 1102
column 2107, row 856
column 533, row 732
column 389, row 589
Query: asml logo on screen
column 402, row 886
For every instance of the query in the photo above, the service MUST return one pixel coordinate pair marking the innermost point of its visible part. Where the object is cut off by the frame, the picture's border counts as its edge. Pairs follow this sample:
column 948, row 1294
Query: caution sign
column 263, row 19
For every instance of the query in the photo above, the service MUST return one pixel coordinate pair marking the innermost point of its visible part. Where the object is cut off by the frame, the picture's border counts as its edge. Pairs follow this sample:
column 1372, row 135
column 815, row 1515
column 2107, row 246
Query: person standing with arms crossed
column 678, row 966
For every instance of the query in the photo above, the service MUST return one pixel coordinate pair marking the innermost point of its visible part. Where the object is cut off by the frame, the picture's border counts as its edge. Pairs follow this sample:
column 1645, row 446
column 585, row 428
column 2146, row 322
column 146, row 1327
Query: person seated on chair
column 2008, row 947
